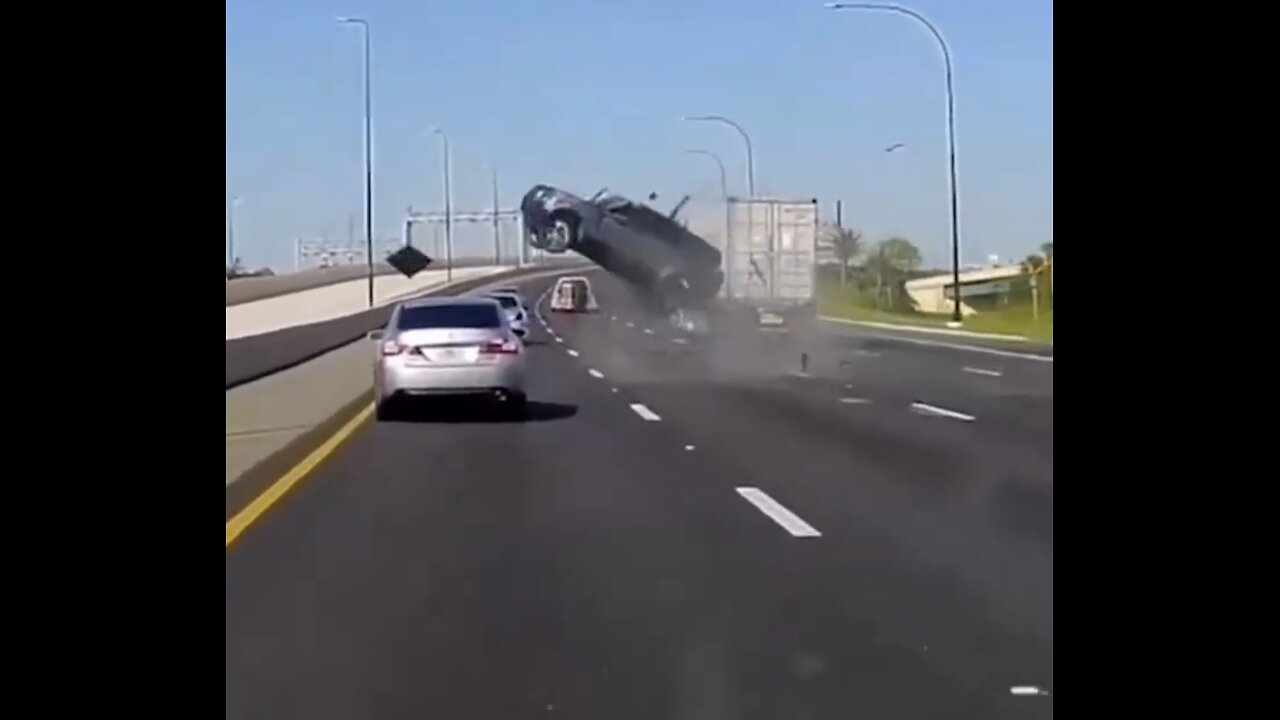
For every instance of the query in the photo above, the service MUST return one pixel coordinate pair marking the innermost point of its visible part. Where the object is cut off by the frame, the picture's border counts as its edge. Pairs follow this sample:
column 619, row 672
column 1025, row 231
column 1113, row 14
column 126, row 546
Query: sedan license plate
column 447, row 354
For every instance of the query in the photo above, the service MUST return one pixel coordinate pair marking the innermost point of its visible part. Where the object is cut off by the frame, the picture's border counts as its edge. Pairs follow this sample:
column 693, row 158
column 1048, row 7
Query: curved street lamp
column 448, row 203
column 751, row 156
column 368, row 146
column 956, row 316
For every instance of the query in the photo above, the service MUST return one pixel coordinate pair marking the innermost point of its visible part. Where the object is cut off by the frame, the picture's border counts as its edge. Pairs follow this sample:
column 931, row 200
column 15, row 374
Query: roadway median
column 242, row 291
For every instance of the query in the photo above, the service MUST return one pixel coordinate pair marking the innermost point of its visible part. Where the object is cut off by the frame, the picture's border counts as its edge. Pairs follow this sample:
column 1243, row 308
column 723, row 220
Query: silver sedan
column 448, row 346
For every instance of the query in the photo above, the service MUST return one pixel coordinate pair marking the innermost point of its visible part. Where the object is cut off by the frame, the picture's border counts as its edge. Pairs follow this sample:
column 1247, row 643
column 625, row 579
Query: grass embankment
column 1014, row 319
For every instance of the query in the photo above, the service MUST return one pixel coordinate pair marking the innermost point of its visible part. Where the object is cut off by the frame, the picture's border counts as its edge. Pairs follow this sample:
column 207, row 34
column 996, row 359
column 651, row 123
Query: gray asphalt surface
column 588, row 563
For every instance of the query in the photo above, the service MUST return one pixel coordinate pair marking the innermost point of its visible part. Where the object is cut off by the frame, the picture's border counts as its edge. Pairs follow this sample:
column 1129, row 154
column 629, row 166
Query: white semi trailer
column 770, row 250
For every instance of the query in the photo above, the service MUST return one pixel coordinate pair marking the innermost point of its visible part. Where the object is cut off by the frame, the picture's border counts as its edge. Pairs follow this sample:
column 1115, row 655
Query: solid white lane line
column 572, row 353
column 941, row 412
column 981, row 371
column 855, row 401
column 645, row 412
column 789, row 521
column 866, row 353
column 595, row 374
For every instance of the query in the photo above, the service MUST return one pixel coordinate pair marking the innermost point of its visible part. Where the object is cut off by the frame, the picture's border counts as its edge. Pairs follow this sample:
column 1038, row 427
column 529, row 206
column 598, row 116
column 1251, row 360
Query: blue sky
column 589, row 93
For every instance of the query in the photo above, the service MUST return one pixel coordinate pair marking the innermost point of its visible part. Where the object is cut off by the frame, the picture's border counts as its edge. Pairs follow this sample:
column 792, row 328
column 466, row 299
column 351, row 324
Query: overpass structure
column 936, row 294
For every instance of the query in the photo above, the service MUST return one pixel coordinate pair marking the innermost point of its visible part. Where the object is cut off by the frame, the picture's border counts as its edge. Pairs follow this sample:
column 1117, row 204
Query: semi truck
column 769, row 248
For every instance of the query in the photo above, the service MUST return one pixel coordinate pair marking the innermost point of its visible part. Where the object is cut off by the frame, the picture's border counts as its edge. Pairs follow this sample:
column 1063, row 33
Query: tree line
column 881, row 267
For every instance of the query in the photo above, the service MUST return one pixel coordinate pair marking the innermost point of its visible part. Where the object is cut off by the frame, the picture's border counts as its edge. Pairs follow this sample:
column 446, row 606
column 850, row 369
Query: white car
column 448, row 346
column 573, row 293
column 516, row 308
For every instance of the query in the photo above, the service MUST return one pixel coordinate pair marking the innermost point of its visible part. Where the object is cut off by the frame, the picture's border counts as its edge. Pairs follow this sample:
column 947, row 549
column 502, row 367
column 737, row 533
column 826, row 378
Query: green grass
column 853, row 304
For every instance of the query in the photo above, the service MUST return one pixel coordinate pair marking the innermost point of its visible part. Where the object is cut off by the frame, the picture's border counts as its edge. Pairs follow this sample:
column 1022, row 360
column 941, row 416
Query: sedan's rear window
column 428, row 317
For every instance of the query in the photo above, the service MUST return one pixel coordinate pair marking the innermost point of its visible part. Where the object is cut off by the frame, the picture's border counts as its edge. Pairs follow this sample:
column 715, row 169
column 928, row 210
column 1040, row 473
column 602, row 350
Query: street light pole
column 724, row 188
column 231, row 232
column 724, row 196
column 448, row 205
column 497, row 230
column 751, row 156
column 957, row 316
column 368, row 147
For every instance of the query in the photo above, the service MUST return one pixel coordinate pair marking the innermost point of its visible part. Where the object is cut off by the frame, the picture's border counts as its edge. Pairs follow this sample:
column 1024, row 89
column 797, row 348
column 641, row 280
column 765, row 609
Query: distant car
column 516, row 309
column 510, row 290
column 448, row 346
column 573, row 294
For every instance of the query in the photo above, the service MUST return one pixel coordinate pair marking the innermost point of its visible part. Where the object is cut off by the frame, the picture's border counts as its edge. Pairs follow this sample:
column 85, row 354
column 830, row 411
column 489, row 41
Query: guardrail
column 257, row 356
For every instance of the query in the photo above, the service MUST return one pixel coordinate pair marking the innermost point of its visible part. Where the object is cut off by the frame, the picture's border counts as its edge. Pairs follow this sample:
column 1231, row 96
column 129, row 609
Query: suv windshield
column 428, row 317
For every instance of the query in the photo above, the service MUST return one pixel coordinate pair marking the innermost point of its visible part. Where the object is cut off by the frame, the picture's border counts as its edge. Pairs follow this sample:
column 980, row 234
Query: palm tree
column 891, row 260
column 847, row 245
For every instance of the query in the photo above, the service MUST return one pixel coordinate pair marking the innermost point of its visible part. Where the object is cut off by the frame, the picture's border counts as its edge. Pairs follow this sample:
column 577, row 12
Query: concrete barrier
column 257, row 356
column 335, row 301
column 252, row 289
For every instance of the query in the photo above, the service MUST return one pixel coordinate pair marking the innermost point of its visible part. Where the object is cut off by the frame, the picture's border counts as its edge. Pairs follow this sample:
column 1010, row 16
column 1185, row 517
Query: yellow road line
column 246, row 517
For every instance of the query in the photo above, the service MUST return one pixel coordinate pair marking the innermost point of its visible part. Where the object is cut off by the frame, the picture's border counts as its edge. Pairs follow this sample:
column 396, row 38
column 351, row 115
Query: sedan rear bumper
column 502, row 376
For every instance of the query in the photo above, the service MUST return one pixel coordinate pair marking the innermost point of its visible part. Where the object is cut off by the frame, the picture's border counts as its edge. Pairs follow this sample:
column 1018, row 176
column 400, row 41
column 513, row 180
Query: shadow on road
column 450, row 412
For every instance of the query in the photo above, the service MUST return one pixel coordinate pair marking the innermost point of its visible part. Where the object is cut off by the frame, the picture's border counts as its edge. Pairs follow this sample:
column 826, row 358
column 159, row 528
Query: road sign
column 409, row 261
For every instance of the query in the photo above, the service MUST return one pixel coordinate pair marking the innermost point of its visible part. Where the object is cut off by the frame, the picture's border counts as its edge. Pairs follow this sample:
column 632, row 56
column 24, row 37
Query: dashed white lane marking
column 982, row 371
column 690, row 448
column 789, row 521
column 647, row 331
column 645, row 412
column 680, row 341
column 559, row 339
column 941, row 412
column 631, row 324
column 595, row 374
column 572, row 353
column 613, row 317
column 855, row 401
column 613, row 390
column 1027, row 690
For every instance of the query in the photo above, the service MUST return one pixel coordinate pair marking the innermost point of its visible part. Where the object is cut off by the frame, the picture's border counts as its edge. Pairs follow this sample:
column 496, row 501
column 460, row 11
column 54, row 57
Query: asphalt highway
column 681, row 529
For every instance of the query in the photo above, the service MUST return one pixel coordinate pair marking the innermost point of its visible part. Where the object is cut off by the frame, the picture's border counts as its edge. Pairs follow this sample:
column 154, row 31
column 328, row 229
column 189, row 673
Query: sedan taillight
column 391, row 348
column 500, row 347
